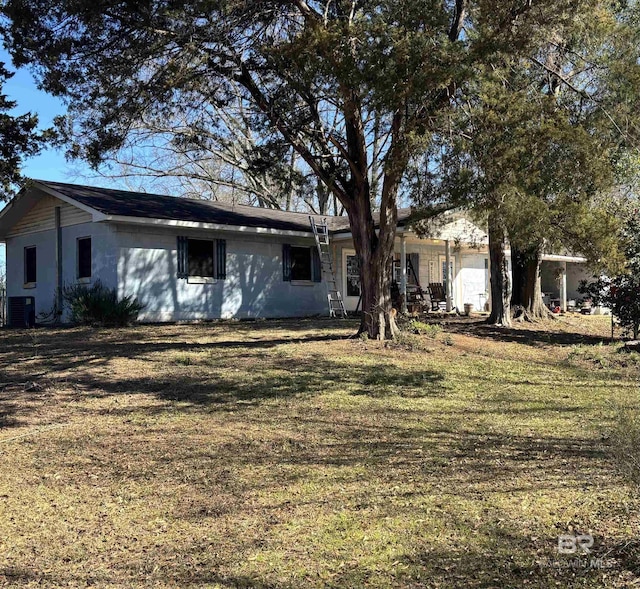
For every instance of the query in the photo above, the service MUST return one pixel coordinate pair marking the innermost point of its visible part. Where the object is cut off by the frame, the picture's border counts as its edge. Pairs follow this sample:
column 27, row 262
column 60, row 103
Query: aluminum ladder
column 334, row 297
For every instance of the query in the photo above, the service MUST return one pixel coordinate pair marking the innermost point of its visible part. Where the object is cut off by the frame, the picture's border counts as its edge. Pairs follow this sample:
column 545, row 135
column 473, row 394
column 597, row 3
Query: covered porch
column 451, row 262
column 560, row 277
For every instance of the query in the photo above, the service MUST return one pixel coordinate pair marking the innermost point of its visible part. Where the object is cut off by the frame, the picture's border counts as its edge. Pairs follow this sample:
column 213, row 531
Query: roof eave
column 149, row 222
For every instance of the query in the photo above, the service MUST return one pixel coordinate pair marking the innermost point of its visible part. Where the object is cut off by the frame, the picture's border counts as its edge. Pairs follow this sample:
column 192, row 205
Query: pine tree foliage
column 19, row 138
column 542, row 140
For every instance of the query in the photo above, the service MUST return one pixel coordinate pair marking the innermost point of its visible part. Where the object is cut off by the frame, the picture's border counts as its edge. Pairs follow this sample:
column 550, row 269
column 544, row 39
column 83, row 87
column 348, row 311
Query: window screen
column 201, row 258
column 84, row 257
column 30, row 264
column 300, row 263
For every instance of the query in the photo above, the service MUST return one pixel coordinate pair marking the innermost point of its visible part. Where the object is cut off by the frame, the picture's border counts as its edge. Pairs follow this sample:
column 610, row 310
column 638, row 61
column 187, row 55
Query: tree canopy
column 540, row 142
column 356, row 88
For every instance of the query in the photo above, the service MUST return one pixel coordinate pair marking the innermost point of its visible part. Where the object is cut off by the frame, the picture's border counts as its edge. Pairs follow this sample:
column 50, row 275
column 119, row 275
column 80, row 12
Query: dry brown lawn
column 285, row 454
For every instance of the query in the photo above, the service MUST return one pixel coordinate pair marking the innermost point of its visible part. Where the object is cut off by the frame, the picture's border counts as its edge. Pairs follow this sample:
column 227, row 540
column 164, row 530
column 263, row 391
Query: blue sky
column 50, row 164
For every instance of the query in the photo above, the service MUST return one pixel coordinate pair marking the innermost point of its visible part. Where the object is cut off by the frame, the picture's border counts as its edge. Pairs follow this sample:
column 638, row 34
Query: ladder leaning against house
column 321, row 234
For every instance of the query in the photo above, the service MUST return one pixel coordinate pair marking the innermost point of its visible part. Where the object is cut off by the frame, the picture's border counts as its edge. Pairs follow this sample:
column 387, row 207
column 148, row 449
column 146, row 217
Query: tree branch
column 327, row 176
column 458, row 19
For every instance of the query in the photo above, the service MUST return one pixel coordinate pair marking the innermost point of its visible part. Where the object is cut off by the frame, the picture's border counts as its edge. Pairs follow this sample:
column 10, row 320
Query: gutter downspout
column 58, row 296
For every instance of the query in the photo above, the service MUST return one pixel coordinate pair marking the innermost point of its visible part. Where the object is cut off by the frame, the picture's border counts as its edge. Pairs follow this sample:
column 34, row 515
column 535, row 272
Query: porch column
column 403, row 272
column 447, row 275
column 563, row 288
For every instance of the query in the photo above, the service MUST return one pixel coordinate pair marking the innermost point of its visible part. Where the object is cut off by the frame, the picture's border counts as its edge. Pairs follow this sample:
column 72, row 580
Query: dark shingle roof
column 158, row 206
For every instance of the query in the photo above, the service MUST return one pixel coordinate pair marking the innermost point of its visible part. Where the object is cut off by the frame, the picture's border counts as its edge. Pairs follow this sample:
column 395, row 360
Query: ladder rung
column 334, row 297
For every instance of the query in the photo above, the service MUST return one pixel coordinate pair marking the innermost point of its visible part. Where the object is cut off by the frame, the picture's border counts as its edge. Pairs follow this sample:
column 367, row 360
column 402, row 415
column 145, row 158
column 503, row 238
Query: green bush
column 421, row 328
column 99, row 305
column 409, row 341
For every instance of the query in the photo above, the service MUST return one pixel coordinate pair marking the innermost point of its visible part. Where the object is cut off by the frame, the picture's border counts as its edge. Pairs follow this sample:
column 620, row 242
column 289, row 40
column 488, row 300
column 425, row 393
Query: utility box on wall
column 21, row 312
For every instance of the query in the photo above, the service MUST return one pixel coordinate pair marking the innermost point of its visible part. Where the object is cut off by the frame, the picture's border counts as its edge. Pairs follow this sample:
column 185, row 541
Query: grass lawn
column 286, row 454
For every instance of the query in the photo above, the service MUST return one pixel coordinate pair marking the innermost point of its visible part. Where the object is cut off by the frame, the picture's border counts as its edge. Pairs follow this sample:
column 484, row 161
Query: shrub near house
column 99, row 305
column 621, row 293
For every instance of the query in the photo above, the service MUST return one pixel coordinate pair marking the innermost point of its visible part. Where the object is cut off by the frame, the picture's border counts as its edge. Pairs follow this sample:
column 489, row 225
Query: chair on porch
column 437, row 295
column 415, row 296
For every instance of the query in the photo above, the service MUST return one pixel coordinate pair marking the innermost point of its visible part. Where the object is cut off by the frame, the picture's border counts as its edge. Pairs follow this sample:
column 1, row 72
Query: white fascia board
column 197, row 225
column 559, row 258
column 555, row 258
column 97, row 215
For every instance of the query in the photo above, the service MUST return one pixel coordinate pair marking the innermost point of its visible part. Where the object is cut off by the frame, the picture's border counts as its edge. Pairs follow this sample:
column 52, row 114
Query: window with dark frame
column 201, row 258
column 412, row 262
column 84, row 257
column 301, row 264
column 30, row 274
column 353, row 276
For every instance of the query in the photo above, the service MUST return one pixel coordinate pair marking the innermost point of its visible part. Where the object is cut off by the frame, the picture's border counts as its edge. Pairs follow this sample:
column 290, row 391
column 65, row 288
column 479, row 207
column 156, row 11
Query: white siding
column 41, row 217
column 254, row 287
column 576, row 273
column 103, row 262
column 474, row 278
column 456, row 227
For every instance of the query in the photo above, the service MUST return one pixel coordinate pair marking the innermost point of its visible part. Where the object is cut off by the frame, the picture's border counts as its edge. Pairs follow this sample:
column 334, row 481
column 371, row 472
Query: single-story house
column 188, row 259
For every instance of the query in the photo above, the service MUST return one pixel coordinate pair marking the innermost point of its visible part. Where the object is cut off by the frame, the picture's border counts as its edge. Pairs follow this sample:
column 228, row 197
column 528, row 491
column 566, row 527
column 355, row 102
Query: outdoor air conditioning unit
column 21, row 312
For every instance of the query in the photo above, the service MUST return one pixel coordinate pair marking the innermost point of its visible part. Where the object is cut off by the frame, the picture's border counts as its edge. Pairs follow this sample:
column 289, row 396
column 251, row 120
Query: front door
column 351, row 281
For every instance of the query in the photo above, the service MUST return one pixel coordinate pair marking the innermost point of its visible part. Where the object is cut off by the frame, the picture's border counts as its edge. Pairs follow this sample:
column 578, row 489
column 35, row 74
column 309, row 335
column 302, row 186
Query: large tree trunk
column 500, row 281
column 375, row 253
column 374, row 250
column 526, row 298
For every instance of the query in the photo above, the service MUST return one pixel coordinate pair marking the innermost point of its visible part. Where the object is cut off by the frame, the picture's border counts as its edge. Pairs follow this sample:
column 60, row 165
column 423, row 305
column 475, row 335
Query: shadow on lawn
column 408, row 453
column 261, row 373
column 15, row 393
column 218, row 389
column 53, row 350
column 530, row 337
column 501, row 555
column 227, row 374
column 192, row 576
